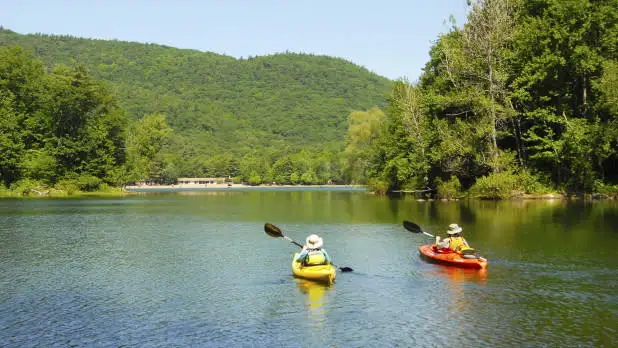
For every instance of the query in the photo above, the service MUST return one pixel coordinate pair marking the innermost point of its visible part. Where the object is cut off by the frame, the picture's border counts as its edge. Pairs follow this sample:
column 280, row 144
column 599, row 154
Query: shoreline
column 183, row 188
column 231, row 186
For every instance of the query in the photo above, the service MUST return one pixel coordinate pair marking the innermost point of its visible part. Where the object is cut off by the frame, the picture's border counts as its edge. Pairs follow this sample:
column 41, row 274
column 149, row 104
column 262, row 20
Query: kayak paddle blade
column 272, row 230
column 412, row 227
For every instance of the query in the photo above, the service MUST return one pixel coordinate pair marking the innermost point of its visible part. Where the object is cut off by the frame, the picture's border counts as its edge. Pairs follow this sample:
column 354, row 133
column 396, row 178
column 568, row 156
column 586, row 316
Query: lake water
column 180, row 269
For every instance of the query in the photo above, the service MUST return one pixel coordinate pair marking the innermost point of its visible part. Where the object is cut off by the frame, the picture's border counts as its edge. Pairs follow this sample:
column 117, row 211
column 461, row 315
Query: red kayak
column 451, row 258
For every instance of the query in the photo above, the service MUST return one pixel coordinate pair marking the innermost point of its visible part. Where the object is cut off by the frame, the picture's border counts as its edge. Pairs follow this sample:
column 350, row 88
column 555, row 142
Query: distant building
column 200, row 181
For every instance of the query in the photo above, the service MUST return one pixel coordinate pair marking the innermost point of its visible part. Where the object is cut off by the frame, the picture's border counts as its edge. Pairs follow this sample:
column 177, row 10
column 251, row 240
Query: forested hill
column 220, row 103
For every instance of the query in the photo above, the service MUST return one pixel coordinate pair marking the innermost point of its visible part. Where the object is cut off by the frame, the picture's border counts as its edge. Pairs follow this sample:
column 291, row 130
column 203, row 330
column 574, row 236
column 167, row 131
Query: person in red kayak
column 455, row 241
column 313, row 252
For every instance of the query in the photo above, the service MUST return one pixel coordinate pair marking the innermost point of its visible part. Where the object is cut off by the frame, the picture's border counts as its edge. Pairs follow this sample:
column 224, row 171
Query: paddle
column 414, row 228
column 275, row 232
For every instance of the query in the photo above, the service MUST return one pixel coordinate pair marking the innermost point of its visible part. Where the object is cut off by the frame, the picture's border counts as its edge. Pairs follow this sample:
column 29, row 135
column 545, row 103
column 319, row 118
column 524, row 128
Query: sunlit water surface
column 197, row 269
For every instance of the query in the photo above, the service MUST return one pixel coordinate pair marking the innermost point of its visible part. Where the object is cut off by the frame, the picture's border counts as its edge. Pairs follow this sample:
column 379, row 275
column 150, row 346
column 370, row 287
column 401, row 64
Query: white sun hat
column 314, row 242
column 454, row 229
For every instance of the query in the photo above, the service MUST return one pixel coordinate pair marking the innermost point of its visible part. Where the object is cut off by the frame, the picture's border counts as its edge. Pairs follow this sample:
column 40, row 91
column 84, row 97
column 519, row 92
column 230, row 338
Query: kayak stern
column 321, row 273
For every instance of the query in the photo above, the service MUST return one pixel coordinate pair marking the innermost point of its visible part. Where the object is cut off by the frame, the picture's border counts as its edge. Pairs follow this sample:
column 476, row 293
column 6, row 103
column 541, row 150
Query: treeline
column 59, row 128
column 62, row 129
column 522, row 99
column 220, row 104
column 151, row 112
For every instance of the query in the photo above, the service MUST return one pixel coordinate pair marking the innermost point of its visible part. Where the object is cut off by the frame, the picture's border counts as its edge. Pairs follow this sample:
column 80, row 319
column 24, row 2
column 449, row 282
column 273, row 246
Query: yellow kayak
column 322, row 273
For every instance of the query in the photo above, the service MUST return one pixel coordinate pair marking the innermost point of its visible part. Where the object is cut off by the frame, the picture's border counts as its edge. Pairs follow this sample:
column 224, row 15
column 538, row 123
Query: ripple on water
column 202, row 273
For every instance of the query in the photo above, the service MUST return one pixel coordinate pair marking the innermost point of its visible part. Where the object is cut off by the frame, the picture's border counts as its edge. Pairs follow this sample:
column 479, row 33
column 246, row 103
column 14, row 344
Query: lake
column 195, row 268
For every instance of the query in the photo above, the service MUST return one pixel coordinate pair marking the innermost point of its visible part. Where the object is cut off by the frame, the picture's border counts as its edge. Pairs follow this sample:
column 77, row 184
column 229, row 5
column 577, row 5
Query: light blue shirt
column 305, row 252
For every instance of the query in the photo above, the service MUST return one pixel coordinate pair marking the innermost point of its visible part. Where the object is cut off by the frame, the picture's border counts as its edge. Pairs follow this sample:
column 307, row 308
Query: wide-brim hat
column 314, row 241
column 454, row 229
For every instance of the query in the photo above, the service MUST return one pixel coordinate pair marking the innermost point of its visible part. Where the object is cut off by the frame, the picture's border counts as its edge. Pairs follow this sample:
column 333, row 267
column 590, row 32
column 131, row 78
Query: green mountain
column 220, row 103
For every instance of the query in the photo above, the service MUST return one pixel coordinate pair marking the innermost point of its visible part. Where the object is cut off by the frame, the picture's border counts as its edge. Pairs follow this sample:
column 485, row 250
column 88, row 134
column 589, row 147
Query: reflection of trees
column 504, row 227
column 204, row 193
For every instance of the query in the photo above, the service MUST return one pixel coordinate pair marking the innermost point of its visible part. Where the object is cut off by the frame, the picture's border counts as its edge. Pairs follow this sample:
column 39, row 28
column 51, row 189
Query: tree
column 146, row 139
column 488, row 35
column 363, row 131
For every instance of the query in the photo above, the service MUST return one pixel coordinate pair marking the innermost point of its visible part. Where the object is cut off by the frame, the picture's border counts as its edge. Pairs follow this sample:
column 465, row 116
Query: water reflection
column 458, row 276
column 184, row 270
column 315, row 300
column 456, row 281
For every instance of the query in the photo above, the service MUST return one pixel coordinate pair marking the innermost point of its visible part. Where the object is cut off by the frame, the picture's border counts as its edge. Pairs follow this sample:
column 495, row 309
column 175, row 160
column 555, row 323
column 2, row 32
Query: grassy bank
column 44, row 192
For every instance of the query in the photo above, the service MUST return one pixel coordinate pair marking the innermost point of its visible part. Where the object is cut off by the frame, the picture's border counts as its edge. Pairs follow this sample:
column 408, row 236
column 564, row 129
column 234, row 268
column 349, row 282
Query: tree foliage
column 525, row 89
column 218, row 103
column 125, row 112
column 55, row 125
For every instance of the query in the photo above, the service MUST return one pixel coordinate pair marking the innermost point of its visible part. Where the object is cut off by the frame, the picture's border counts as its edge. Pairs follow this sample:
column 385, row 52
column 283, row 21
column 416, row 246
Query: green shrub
column 294, row 178
column 378, row 187
column 605, row 189
column 255, row 179
column 496, row 186
column 532, row 184
column 309, row 178
column 25, row 187
column 68, row 186
column 83, row 182
column 103, row 187
column 449, row 189
column 89, row 183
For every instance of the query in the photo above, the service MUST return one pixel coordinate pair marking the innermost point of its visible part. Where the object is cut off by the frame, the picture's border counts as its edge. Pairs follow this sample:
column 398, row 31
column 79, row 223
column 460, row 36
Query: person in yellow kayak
column 313, row 253
column 455, row 241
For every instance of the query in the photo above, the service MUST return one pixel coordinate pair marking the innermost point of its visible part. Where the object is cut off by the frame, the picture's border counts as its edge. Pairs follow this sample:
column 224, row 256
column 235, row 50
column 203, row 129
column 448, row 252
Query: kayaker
column 455, row 241
column 313, row 254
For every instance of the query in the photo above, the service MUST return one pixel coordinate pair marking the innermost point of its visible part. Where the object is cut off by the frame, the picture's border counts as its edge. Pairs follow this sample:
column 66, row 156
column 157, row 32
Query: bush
column 309, row 178
column 531, row 183
column 496, row 186
column 69, row 186
column 507, row 184
column 377, row 187
column 255, row 179
column 25, row 187
column 449, row 189
column 605, row 189
column 294, row 178
column 83, row 182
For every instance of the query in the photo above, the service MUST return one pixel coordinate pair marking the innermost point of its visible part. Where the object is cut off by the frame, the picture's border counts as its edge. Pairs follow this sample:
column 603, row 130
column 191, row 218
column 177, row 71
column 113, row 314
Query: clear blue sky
column 389, row 37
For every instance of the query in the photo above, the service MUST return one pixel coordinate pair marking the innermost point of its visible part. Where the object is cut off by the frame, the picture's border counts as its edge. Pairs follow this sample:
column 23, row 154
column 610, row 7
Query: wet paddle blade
column 412, row 227
column 272, row 230
column 346, row 269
